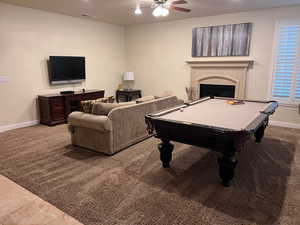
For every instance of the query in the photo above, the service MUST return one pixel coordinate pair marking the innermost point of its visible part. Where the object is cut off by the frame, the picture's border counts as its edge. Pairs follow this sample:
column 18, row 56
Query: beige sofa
column 122, row 127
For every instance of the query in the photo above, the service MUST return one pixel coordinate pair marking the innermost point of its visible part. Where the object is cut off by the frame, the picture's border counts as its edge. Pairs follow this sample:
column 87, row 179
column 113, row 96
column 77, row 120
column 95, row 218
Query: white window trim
column 278, row 24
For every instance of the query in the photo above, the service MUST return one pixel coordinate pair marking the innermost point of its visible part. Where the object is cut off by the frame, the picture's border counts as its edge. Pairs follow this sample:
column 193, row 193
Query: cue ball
column 181, row 110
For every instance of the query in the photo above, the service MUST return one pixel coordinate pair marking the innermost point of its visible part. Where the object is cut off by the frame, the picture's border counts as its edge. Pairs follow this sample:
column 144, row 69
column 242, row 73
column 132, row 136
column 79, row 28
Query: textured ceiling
column 122, row 11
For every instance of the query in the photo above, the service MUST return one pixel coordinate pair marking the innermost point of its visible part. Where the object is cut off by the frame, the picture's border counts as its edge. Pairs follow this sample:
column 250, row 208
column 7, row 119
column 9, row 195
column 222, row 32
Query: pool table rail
column 251, row 128
column 262, row 117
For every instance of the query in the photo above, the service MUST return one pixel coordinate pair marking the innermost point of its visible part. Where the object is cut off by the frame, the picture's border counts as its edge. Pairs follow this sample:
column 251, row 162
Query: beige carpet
column 132, row 188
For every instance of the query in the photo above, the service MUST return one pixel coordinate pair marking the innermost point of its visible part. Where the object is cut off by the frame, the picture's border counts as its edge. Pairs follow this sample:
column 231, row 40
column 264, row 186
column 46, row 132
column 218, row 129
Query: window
column 286, row 72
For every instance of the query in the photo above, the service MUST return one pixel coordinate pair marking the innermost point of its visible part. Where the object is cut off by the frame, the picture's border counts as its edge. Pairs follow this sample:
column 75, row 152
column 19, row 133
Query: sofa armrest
column 96, row 122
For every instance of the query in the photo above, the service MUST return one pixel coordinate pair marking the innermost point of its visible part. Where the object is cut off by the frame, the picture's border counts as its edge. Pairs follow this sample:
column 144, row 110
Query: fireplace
column 222, row 78
column 217, row 90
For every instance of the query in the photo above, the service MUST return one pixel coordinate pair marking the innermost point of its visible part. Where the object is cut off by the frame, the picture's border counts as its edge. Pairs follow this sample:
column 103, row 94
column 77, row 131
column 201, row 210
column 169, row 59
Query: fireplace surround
column 219, row 72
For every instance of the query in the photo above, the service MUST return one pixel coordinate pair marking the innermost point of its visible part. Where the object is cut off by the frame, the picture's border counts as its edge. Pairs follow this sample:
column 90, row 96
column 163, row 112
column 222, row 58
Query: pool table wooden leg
column 259, row 134
column 166, row 149
column 227, row 164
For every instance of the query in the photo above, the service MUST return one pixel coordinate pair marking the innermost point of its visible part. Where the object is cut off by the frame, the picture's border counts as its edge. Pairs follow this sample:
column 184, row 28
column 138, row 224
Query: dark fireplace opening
column 217, row 90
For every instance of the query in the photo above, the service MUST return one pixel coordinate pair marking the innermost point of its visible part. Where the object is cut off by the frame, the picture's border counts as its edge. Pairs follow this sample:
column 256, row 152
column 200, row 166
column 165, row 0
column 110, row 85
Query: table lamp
column 128, row 77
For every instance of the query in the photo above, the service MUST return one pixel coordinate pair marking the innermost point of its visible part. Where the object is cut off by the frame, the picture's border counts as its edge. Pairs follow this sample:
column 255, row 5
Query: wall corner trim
column 285, row 124
column 18, row 125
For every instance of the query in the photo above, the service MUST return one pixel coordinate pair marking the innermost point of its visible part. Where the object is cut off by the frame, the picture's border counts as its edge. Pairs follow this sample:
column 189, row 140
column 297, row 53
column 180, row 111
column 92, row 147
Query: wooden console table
column 55, row 108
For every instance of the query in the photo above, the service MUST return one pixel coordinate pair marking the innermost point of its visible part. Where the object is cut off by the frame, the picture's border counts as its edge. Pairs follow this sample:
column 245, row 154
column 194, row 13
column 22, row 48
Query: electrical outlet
column 3, row 79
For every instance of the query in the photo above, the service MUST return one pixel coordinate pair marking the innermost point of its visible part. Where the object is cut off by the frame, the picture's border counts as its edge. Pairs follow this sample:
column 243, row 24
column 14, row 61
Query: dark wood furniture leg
column 260, row 132
column 166, row 149
column 227, row 164
column 117, row 97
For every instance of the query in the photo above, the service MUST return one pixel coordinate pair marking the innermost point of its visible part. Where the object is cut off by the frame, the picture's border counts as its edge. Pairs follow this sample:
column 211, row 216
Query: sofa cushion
column 162, row 95
column 145, row 99
column 100, row 108
column 80, row 119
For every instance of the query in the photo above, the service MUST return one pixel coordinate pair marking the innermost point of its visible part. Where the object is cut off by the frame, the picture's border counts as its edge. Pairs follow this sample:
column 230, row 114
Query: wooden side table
column 129, row 95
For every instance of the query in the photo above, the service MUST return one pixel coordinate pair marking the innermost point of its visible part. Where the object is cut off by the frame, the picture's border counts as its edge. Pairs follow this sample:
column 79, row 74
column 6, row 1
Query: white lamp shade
column 128, row 76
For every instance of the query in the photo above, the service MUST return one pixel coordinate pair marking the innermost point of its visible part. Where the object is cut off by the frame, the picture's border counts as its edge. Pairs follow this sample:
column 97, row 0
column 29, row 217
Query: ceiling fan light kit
column 161, row 8
column 160, row 11
column 138, row 10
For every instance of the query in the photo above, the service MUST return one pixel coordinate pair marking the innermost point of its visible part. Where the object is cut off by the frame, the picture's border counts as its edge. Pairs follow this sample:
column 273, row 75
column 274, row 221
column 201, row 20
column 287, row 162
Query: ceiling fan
column 162, row 7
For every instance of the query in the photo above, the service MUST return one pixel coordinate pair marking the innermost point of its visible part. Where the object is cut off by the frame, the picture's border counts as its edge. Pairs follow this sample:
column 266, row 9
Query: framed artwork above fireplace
column 225, row 40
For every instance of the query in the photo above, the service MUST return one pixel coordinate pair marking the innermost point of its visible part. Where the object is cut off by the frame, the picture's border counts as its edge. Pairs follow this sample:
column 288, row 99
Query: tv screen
column 66, row 69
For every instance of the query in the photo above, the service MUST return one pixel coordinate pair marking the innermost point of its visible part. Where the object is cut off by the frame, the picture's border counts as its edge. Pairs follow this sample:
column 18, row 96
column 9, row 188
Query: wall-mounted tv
column 66, row 69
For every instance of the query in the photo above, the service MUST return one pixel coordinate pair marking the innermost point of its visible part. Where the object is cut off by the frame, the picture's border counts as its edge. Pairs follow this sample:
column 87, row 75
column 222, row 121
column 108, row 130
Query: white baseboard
column 285, row 124
column 18, row 125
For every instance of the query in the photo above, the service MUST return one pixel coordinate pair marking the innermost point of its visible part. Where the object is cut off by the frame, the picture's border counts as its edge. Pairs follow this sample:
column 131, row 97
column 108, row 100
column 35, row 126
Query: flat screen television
column 66, row 69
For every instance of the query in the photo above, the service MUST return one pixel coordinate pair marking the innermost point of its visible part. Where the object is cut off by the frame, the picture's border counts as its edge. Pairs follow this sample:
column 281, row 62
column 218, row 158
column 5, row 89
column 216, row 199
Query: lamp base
column 128, row 85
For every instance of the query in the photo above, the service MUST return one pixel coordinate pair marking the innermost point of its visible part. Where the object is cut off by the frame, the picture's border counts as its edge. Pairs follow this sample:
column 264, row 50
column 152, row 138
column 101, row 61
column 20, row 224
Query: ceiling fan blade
column 180, row 9
column 179, row 2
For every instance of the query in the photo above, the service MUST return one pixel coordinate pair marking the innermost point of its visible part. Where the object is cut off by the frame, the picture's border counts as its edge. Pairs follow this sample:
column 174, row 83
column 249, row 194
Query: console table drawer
column 56, row 102
column 55, row 109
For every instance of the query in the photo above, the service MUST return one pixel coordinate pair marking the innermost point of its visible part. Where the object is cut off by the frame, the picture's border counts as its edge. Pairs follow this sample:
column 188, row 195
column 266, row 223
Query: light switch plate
column 3, row 79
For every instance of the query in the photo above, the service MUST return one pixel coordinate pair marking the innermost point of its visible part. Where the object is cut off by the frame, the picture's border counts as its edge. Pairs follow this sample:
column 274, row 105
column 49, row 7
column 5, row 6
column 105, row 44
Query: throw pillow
column 105, row 99
column 87, row 105
column 145, row 99
column 100, row 108
column 111, row 99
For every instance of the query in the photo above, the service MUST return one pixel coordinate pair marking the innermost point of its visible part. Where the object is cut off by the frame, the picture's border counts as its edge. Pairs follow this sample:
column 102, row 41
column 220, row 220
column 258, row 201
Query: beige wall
column 157, row 53
column 28, row 37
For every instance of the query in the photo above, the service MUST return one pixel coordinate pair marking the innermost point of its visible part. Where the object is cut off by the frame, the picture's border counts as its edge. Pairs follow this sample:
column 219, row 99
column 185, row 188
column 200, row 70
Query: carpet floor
column 132, row 188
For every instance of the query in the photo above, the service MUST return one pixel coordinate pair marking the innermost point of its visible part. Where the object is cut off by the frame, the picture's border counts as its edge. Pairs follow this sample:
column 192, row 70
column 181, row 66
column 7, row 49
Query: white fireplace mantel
column 220, row 63
column 220, row 72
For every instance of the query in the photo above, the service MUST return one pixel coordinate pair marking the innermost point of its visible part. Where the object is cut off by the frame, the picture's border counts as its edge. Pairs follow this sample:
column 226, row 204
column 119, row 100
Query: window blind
column 297, row 92
column 286, row 74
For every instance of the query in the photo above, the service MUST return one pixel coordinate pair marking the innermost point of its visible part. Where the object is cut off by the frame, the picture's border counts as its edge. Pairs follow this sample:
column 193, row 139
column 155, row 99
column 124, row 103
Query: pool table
column 211, row 123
